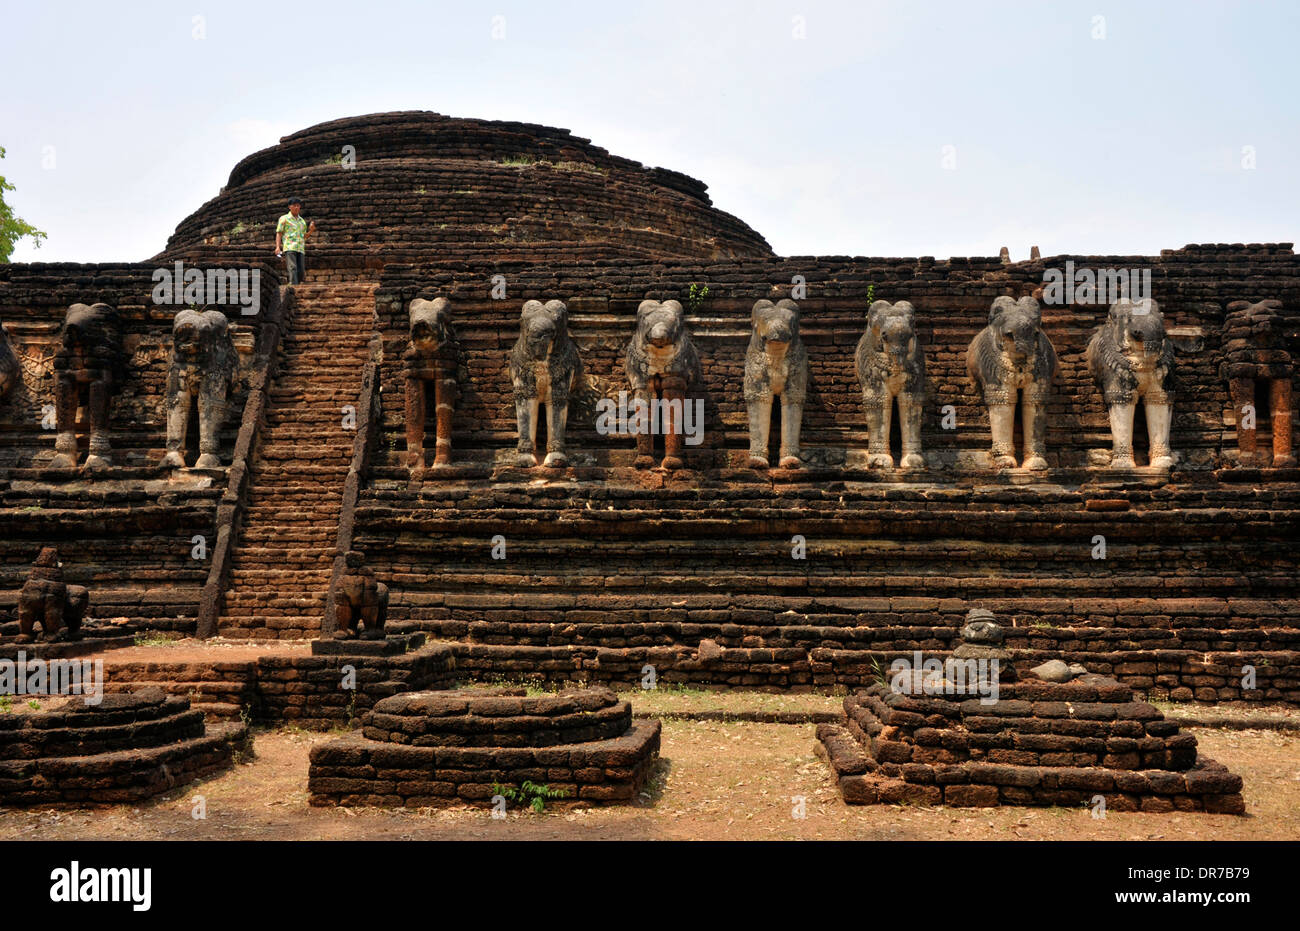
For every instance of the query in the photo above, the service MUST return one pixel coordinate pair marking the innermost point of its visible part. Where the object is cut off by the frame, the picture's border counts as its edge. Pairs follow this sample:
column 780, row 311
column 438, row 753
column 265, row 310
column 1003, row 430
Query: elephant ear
column 1103, row 354
column 759, row 307
column 1001, row 306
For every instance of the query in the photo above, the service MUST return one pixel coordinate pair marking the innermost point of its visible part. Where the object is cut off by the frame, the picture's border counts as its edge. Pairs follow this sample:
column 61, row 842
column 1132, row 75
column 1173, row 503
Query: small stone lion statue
column 201, row 373
column 545, row 368
column 1130, row 357
column 1012, row 358
column 1254, row 351
column 776, row 364
column 661, row 361
column 891, row 364
column 433, row 356
column 90, row 362
column 10, row 371
column 360, row 601
column 47, row 600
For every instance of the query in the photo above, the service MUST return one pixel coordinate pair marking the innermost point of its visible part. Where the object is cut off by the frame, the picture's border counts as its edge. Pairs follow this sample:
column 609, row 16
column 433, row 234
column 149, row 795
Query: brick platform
column 433, row 749
column 1038, row 744
column 127, row 748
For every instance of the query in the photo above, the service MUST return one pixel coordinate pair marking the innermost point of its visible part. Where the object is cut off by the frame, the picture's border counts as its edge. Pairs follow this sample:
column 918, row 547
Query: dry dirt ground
column 732, row 780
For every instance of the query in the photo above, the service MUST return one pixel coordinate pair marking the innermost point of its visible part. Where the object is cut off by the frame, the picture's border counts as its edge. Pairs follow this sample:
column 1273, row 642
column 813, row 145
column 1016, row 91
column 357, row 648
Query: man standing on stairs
column 291, row 234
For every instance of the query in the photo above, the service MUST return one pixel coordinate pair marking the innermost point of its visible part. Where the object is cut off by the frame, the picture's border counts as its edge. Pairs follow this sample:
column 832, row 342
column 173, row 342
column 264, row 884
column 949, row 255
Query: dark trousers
column 296, row 263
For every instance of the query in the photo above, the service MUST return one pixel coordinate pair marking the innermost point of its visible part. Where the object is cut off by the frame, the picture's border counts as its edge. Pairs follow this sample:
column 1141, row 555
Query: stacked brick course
column 431, row 749
column 127, row 748
column 1038, row 743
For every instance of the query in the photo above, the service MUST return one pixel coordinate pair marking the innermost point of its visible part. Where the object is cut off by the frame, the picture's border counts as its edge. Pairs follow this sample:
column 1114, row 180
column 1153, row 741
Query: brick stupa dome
column 431, row 187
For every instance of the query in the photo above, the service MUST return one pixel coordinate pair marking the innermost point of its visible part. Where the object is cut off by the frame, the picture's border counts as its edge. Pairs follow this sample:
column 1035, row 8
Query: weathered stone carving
column 10, row 370
column 1013, row 355
column 89, row 362
column 47, row 600
column 891, row 364
column 1254, row 350
column 1130, row 357
column 201, row 373
column 776, row 364
column 544, row 369
column 432, row 356
column 661, row 361
column 360, row 601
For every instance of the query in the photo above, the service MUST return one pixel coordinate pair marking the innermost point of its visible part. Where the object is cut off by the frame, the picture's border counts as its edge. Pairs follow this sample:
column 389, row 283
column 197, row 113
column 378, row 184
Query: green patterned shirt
column 294, row 230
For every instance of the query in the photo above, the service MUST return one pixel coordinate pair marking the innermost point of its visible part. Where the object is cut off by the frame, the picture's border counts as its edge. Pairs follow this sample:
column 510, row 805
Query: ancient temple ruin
column 812, row 511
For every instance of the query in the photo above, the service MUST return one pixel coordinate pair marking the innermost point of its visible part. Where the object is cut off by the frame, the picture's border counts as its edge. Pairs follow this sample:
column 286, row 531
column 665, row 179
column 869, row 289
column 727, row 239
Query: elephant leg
column 791, row 422
column 101, row 450
column 1243, row 397
column 674, row 398
column 212, row 410
column 645, row 441
column 878, row 411
column 557, row 419
column 909, row 419
column 1279, row 405
column 65, row 415
column 526, row 418
column 381, row 607
column 1033, row 417
column 760, row 425
column 178, row 421
column 75, row 610
column 1121, row 435
column 28, row 609
column 53, row 622
column 1160, row 414
column 345, row 619
column 415, row 410
column 446, row 392
column 1002, row 424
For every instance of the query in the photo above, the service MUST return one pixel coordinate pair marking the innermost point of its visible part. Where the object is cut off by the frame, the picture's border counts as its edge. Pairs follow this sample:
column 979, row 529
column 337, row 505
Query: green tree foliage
column 13, row 228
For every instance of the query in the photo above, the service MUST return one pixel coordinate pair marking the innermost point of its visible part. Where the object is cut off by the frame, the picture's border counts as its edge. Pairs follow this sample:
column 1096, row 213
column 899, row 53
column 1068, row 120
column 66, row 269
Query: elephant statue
column 202, row 372
column 360, row 601
column 545, row 368
column 1012, row 359
column 47, row 600
column 89, row 363
column 776, row 364
column 891, row 364
column 1254, row 351
column 1130, row 357
column 433, row 357
column 661, row 365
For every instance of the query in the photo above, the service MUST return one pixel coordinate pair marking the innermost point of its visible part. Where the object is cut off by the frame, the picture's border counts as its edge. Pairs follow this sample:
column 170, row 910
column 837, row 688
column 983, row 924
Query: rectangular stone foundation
column 1052, row 745
column 356, row 771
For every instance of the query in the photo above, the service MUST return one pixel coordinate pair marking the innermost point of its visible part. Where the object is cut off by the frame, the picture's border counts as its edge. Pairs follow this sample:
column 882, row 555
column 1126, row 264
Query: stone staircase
column 280, row 572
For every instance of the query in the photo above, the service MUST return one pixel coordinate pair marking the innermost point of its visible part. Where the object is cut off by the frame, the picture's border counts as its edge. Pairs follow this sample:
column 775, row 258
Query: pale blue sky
column 829, row 144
